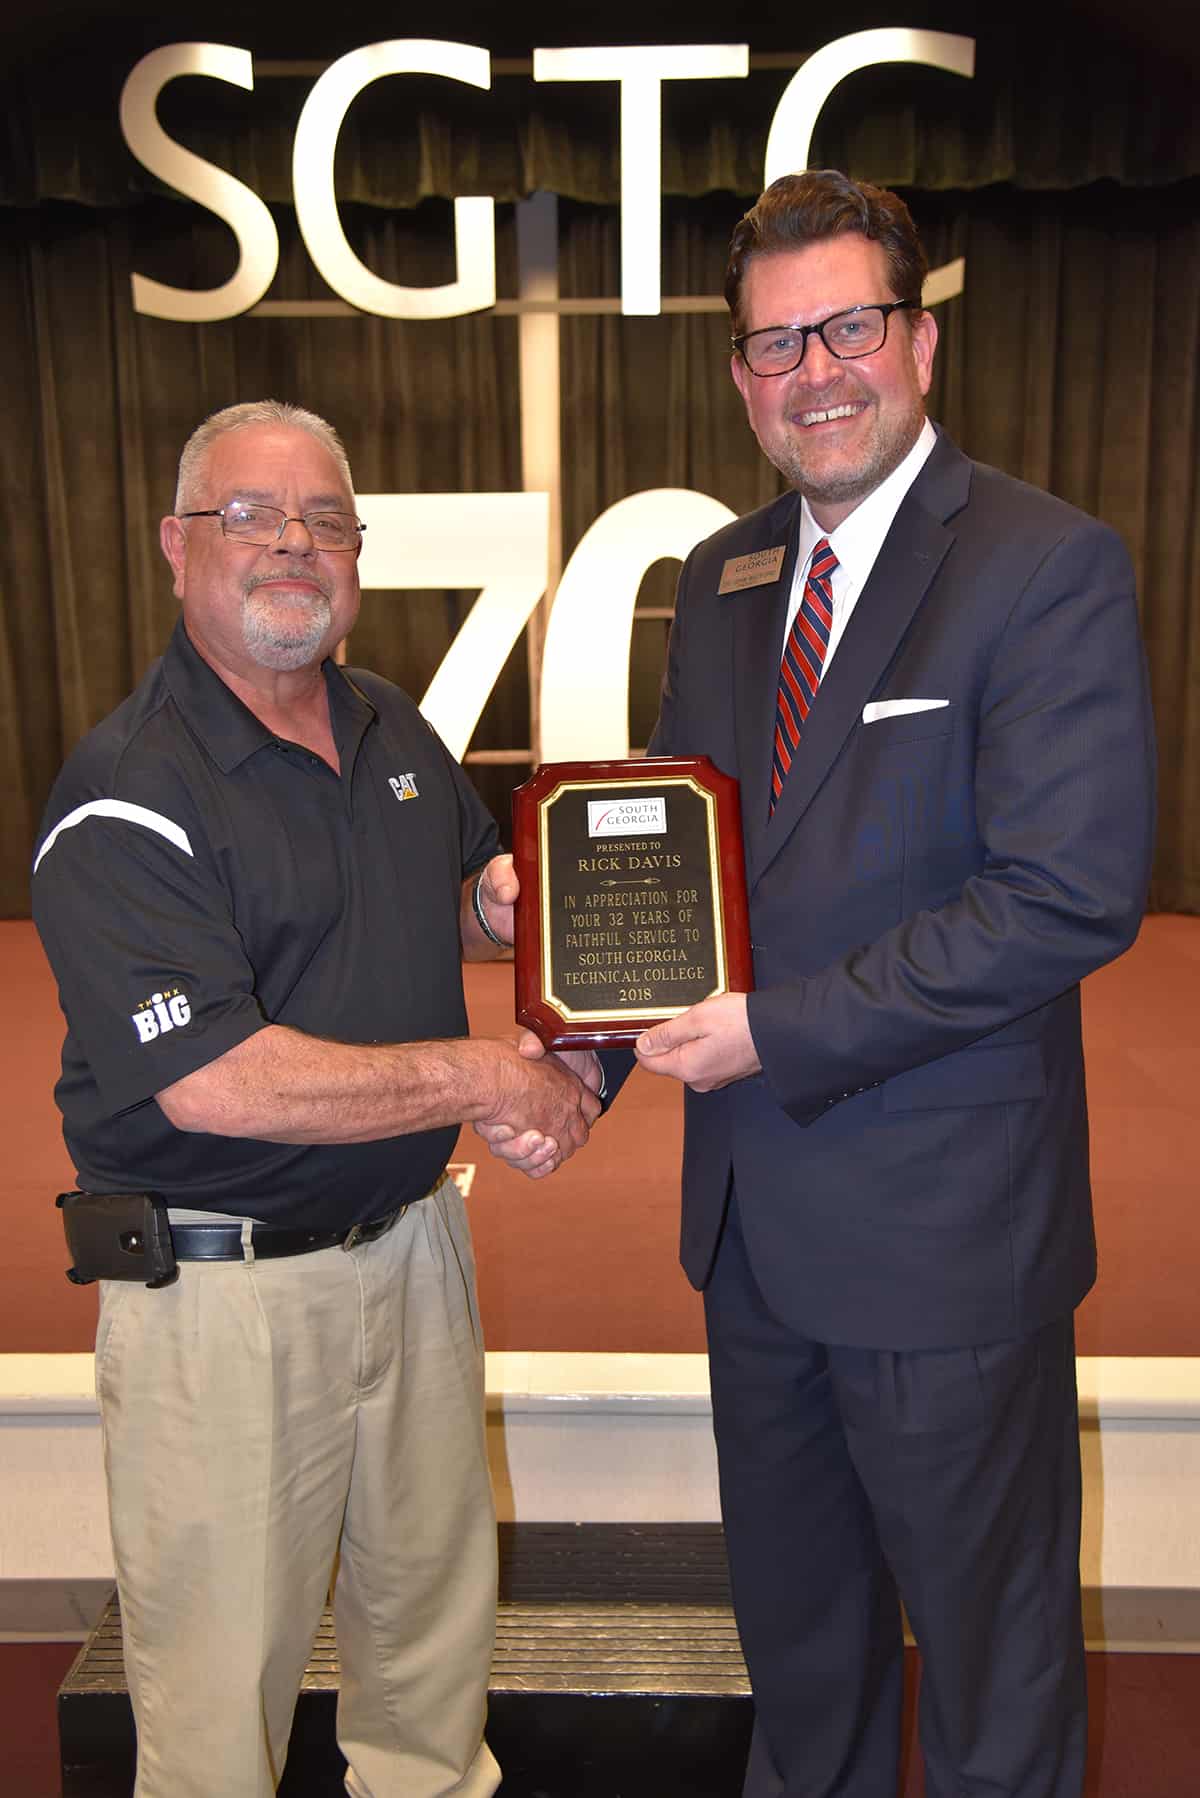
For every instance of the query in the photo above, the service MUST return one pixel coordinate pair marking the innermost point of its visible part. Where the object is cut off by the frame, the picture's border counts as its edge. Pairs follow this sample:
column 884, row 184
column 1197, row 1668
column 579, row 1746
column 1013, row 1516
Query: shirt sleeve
column 152, row 975
column 478, row 835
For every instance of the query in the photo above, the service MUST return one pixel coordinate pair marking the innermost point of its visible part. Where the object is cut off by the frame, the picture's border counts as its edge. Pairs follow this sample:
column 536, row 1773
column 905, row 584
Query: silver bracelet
column 477, row 908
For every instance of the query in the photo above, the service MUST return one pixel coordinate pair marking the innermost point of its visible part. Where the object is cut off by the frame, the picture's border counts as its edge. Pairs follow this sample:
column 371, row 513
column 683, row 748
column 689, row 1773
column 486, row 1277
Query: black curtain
column 1070, row 360
column 1058, row 105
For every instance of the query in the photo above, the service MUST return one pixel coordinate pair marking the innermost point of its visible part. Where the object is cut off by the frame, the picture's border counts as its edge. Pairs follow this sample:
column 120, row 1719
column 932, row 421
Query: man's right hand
column 540, row 1104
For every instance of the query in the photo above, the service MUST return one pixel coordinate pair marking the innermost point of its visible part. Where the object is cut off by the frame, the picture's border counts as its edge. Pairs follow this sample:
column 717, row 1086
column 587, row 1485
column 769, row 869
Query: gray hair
column 239, row 418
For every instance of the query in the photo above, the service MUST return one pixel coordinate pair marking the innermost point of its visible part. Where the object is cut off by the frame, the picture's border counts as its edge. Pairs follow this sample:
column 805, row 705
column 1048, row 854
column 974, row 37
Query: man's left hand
column 706, row 1047
column 498, row 889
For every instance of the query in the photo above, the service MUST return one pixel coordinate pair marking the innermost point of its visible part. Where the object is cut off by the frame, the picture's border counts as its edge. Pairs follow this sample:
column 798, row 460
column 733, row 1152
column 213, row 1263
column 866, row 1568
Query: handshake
column 545, row 1105
column 535, row 1107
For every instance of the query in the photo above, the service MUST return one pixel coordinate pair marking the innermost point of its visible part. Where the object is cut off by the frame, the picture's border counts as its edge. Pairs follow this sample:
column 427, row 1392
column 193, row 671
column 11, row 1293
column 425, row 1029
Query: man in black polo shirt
column 255, row 882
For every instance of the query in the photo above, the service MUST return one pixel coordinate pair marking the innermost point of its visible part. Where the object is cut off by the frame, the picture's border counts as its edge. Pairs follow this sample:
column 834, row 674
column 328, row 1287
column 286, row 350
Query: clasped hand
column 538, row 1147
column 547, row 1108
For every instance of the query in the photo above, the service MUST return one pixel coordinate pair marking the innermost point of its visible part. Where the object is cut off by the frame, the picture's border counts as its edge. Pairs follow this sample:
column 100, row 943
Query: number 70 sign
column 499, row 543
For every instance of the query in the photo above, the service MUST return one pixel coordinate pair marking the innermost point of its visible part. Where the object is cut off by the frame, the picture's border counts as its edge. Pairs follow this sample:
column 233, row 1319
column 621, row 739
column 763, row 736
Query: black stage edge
column 617, row 1674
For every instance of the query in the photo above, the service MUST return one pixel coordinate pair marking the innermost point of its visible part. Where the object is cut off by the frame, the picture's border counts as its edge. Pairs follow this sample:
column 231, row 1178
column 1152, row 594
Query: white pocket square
column 896, row 708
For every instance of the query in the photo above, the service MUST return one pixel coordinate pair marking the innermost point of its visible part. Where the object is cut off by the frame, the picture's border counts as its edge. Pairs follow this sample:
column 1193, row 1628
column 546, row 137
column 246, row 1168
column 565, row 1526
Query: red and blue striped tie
column 803, row 659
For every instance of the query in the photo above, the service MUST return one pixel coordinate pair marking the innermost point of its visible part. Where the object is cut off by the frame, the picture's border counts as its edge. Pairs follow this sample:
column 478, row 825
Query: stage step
column 617, row 1674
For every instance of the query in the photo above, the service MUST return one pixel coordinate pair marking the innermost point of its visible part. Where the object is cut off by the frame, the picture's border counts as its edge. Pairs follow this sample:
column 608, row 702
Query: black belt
column 223, row 1241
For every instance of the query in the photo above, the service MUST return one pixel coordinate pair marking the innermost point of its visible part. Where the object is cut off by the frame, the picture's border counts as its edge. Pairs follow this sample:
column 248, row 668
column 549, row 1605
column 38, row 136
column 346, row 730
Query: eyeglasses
column 778, row 349
column 265, row 525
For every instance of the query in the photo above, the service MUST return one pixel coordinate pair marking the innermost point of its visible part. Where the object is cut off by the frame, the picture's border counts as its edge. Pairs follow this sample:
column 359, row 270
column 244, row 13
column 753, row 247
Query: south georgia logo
column 169, row 1010
column 627, row 817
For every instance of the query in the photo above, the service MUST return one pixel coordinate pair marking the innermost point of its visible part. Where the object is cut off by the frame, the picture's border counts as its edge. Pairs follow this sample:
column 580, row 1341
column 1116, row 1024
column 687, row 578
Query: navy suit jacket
column 911, row 1164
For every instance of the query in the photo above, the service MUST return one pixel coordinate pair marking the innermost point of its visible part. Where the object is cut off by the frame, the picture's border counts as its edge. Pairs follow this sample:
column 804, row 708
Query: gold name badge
column 756, row 570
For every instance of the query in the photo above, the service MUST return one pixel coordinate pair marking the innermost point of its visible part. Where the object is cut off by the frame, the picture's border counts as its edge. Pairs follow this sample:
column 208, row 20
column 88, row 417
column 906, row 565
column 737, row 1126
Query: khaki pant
column 270, row 1426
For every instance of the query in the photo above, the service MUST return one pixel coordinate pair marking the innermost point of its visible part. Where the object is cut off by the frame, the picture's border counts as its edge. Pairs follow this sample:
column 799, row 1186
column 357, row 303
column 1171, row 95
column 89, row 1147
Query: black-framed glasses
column 778, row 349
column 264, row 525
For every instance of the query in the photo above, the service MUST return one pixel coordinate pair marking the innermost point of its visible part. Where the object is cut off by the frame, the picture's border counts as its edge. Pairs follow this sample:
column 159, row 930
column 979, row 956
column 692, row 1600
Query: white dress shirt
column 856, row 542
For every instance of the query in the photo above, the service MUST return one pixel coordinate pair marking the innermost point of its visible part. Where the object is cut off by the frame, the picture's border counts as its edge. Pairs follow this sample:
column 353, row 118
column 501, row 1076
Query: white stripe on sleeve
column 117, row 808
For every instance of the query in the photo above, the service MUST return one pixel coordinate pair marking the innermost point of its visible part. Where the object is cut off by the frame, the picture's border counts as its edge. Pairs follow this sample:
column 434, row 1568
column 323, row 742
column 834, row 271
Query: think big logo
column 168, row 1010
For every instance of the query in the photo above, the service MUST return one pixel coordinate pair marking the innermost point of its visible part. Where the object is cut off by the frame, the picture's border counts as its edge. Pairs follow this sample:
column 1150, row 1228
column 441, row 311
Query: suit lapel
column 758, row 619
column 911, row 554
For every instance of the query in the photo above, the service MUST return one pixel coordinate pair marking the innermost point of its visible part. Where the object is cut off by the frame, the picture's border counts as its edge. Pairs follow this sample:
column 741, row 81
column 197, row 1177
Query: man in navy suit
column 928, row 680
column 944, row 746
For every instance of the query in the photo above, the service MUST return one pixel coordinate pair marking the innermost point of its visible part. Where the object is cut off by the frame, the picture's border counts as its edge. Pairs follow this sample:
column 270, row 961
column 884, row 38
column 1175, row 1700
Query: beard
column 285, row 633
column 833, row 482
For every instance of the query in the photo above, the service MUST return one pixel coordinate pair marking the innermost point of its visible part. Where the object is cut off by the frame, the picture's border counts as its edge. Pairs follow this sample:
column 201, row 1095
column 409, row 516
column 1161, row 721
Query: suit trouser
column 262, row 1420
column 951, row 1477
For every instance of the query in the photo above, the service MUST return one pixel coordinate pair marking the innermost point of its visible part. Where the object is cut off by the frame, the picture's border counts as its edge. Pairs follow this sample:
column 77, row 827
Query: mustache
column 845, row 386
column 292, row 571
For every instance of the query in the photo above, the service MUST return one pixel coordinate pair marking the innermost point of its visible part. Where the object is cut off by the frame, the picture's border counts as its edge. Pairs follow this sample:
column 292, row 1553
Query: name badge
column 756, row 570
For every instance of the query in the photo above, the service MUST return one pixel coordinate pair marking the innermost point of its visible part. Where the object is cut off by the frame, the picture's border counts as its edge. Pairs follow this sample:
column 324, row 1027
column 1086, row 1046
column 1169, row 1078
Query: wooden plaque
column 633, row 896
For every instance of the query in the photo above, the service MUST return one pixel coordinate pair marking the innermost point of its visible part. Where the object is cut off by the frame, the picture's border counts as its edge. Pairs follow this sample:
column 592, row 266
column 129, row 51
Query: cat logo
column 168, row 1010
column 404, row 786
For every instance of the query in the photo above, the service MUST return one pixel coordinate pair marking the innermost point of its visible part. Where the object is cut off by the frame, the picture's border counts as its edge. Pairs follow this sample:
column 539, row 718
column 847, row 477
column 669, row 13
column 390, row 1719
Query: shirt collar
column 857, row 541
column 228, row 729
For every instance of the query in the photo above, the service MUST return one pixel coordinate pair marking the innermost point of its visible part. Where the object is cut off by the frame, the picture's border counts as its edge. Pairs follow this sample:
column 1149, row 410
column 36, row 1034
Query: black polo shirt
column 197, row 877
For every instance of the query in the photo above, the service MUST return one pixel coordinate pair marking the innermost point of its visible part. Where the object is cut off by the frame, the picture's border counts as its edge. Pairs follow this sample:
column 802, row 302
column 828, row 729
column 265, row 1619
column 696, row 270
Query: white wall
column 605, row 1438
